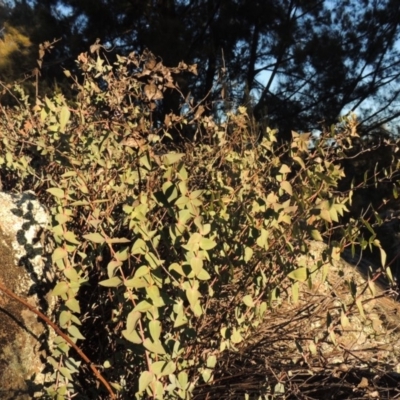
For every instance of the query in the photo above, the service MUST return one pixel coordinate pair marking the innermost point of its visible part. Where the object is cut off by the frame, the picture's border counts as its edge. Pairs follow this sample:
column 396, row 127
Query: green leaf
column 207, row 244
column 170, row 191
column 182, row 201
column 116, row 386
column 195, row 194
column 236, row 336
column 163, row 368
column 299, row 161
column 183, row 380
column 132, row 336
column 248, row 301
column 284, row 169
column 172, row 158
column 130, row 332
column 122, row 255
column 248, row 253
column 182, row 187
column 145, row 379
column 389, row 275
column 279, row 389
column 112, row 266
column 262, row 240
column 75, row 332
column 152, row 260
column 344, row 321
column 64, row 318
column 50, row 104
column 197, row 264
column 155, row 330
column 94, row 237
column 203, row 275
column 132, row 320
column 137, row 283
column 154, row 347
column 325, row 214
column 316, row 235
column 192, row 295
column 145, row 162
column 70, row 237
column 206, row 375
column 73, row 305
column 64, row 118
column 56, row 192
column 139, row 247
column 62, row 218
column 58, row 254
column 287, row 187
column 117, row 240
column 60, row 289
column 143, row 306
column 299, row 274
column 183, row 173
column 66, row 372
column 383, row 256
column 112, row 282
column 142, row 271
column 71, row 274
column 180, row 319
column 211, row 361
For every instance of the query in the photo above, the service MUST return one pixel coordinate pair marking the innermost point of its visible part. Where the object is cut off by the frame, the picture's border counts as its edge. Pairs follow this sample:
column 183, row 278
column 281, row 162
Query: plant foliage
column 165, row 256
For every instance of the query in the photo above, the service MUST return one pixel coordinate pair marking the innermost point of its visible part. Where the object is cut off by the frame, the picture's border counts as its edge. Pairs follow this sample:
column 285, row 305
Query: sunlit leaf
column 94, row 237
column 284, row 169
column 145, row 379
column 299, row 274
column 70, row 237
column 139, row 247
column 66, row 372
column 236, row 336
column 137, row 283
column 58, row 254
column 154, row 347
column 73, row 305
column 207, row 244
column 143, row 306
column 162, row 368
column 316, row 235
column 75, row 332
column 344, row 321
column 64, row 118
column 211, row 361
column 117, row 240
column 248, row 301
column 60, row 289
column 287, row 187
column 56, row 192
column 172, row 158
column 112, row 282
column 64, row 318
column 206, row 375
column 155, row 329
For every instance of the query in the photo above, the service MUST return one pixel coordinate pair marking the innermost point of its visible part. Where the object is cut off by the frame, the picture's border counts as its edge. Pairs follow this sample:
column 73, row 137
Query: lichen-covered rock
column 23, row 270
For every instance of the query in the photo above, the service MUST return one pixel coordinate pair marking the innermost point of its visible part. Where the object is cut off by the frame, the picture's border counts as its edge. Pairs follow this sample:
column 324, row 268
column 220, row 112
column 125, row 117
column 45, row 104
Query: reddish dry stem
column 63, row 335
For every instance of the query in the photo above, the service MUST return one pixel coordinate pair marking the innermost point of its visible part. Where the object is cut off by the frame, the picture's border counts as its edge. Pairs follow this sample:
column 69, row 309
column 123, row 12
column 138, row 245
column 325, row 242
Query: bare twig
column 63, row 335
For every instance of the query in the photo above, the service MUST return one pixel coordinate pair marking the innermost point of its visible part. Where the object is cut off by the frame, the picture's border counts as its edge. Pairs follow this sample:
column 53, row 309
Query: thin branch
column 63, row 335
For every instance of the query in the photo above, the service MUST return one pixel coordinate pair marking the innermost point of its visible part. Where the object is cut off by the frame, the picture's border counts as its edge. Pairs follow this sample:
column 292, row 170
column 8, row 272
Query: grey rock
column 24, row 271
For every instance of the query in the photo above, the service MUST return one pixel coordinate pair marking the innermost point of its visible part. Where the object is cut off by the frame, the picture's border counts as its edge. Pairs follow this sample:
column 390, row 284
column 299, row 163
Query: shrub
column 166, row 255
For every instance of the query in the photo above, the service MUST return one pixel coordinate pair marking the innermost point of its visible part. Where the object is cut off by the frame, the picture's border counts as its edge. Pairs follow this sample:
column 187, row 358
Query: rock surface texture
column 23, row 270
